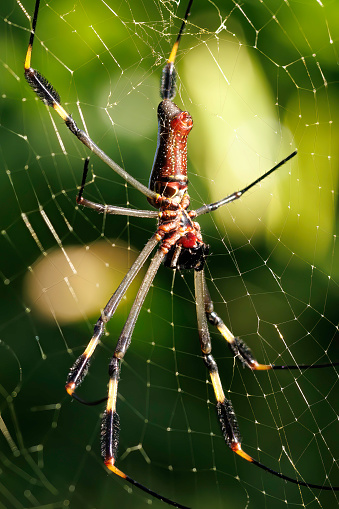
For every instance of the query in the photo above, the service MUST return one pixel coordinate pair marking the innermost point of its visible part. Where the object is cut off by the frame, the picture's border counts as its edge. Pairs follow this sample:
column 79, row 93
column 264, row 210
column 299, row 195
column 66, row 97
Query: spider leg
column 80, row 367
column 111, row 423
column 168, row 79
column 46, row 92
column 237, row 345
column 240, row 349
column 109, row 209
column 110, row 428
column 237, row 194
column 226, row 415
column 126, row 334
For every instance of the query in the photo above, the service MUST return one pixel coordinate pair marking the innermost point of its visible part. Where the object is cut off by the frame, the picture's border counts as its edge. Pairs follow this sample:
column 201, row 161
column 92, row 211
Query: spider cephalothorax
column 187, row 258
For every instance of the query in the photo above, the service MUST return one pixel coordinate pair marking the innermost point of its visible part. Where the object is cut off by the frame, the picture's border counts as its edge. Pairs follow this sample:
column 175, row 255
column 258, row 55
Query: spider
column 181, row 248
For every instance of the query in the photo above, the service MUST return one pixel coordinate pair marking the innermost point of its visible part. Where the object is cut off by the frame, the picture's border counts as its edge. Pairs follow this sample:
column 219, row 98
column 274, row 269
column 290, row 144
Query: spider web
column 260, row 79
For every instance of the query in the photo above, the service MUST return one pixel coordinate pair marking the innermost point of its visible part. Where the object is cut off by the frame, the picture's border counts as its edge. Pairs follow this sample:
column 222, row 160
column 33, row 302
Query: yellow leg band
column 218, row 390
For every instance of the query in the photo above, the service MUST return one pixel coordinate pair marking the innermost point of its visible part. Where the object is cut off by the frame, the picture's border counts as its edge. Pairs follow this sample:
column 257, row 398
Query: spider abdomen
column 169, row 173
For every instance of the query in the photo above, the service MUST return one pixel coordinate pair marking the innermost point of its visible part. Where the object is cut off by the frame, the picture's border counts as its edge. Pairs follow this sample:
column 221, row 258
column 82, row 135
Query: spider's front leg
column 49, row 96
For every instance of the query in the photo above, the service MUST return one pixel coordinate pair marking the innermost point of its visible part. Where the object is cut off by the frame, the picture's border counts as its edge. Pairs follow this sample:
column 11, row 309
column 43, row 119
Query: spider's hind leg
column 237, row 345
column 240, row 349
column 80, row 366
column 226, row 415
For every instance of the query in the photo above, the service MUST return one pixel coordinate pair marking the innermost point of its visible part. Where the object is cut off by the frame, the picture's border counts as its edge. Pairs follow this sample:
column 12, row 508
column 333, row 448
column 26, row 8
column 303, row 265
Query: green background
column 274, row 257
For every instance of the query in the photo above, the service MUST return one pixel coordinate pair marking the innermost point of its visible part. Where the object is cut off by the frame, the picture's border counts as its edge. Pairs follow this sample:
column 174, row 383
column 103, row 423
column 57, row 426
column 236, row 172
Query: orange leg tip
column 260, row 367
column 109, row 462
column 236, row 447
column 70, row 388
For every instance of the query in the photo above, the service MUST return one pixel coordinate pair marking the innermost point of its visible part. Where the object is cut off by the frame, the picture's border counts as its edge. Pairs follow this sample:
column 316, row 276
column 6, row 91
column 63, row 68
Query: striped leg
column 110, row 422
column 240, row 349
column 110, row 428
column 237, row 345
column 80, row 367
column 110, row 425
column 226, row 415
column 46, row 92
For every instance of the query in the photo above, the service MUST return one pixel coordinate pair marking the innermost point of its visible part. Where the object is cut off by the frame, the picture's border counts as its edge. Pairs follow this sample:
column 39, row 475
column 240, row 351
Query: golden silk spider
column 181, row 248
